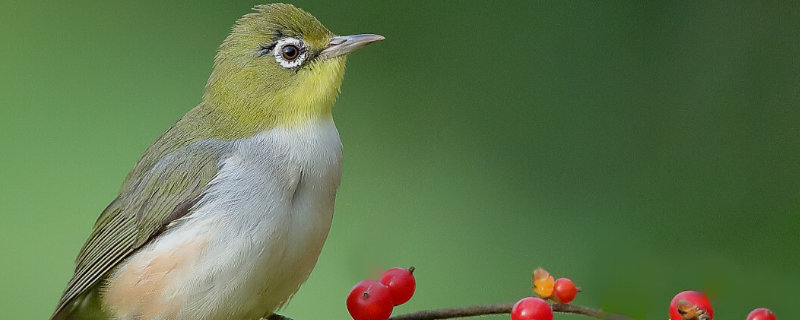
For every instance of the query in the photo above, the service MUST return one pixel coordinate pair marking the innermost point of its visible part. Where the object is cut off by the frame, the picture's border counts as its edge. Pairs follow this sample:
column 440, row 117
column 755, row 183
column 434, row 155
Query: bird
column 224, row 216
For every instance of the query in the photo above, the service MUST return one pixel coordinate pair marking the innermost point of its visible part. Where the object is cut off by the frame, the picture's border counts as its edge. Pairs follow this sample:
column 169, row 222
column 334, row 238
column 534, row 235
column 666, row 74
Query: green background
column 640, row 148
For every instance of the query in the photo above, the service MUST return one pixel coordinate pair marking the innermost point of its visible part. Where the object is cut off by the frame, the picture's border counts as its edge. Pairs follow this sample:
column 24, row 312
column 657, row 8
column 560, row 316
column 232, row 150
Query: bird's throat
column 309, row 96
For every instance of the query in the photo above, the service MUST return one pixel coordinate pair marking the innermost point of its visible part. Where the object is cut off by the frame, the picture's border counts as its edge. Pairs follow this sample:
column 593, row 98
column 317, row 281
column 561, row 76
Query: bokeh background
column 639, row 148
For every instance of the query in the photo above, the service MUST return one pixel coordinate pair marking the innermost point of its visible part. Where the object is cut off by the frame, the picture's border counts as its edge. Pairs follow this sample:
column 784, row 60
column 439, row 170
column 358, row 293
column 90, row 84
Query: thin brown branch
column 461, row 312
column 502, row 308
column 488, row 309
column 589, row 312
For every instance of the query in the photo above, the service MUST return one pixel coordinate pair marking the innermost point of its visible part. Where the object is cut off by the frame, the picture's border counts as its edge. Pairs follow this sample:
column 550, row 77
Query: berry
column 401, row 284
column 543, row 283
column 761, row 314
column 691, row 302
column 531, row 309
column 564, row 290
column 369, row 300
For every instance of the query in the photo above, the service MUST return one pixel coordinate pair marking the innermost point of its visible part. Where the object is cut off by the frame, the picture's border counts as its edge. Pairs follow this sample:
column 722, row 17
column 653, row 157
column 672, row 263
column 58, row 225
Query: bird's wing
column 148, row 202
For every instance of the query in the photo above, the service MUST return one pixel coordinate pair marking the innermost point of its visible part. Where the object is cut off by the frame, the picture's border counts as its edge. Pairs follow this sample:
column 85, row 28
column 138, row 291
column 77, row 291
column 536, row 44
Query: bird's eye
column 290, row 52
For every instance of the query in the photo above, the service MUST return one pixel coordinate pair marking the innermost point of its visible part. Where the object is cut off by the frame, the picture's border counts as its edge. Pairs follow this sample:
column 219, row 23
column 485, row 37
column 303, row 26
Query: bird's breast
column 262, row 222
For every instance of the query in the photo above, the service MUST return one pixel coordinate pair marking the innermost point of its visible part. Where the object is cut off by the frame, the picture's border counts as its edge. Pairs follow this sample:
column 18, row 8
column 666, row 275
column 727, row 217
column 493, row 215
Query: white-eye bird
column 225, row 214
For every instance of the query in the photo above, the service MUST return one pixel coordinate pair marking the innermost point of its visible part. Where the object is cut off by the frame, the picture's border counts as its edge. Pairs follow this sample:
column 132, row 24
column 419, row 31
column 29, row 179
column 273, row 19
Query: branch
column 500, row 308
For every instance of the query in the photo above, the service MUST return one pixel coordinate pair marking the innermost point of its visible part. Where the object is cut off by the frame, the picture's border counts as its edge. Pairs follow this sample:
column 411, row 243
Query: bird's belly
column 249, row 276
column 208, row 275
column 241, row 254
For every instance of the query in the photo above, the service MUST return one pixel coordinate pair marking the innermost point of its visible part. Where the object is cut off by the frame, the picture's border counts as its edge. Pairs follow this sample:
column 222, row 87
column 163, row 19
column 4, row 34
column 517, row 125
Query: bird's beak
column 345, row 44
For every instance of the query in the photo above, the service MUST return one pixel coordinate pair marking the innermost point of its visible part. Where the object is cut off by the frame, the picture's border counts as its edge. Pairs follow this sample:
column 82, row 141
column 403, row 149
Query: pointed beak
column 345, row 44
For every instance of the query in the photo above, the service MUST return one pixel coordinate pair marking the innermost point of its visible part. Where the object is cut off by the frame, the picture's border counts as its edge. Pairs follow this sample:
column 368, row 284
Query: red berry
column 401, row 284
column 761, row 314
column 564, row 290
column 694, row 298
column 531, row 309
column 369, row 300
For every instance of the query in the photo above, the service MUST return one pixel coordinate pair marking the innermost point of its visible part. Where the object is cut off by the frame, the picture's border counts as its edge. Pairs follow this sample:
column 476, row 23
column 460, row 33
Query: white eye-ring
column 289, row 52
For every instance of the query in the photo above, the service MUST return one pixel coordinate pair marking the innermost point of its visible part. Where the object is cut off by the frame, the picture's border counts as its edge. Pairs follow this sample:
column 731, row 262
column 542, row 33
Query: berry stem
column 500, row 308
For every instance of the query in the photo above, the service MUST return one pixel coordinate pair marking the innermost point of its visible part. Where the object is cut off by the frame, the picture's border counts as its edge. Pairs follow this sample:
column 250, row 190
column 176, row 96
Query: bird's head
column 279, row 66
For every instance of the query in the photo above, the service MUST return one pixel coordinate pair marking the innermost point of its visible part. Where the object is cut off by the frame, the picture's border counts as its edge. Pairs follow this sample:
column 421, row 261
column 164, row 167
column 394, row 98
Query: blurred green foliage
column 640, row 148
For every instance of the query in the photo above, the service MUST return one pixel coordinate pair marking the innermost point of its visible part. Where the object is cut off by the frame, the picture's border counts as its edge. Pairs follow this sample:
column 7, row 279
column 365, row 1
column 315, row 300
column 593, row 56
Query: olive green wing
column 149, row 201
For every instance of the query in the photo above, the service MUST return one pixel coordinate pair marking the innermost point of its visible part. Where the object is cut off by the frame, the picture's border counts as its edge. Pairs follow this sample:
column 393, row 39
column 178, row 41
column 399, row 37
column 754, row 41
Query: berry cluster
column 374, row 300
column 545, row 286
column 693, row 305
column 562, row 290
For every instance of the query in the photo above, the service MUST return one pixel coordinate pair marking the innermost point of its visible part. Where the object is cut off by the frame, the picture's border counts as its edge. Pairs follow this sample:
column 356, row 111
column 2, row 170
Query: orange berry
column 543, row 283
